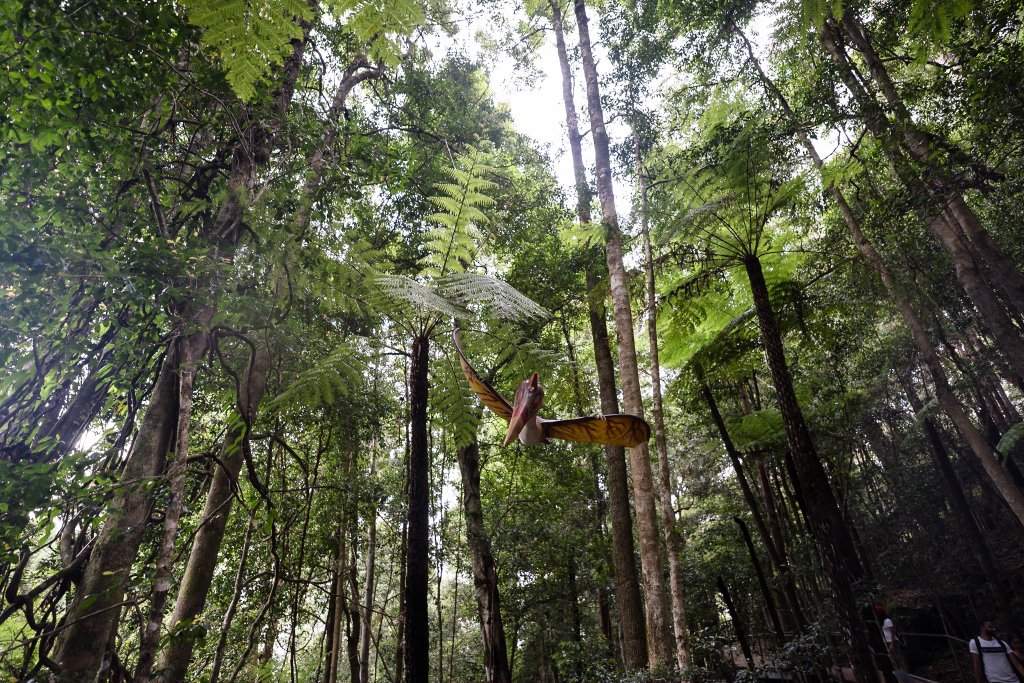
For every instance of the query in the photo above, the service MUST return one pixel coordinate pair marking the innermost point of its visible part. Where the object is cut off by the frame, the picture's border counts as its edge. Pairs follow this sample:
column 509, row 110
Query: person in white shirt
column 994, row 660
column 892, row 642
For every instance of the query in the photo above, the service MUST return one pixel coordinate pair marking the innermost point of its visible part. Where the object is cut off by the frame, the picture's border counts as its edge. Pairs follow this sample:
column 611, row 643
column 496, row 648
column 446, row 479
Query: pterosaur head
column 525, row 406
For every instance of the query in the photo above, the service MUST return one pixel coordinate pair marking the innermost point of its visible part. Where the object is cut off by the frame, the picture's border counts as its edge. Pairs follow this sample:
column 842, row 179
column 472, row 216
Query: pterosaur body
column 531, row 428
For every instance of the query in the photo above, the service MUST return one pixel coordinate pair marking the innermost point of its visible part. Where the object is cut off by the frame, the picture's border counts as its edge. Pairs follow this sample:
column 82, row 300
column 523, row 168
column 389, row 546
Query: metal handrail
column 950, row 640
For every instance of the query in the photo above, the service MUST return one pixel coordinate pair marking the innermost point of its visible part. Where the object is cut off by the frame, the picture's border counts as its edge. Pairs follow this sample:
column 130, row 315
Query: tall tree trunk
column 371, row 558
column 485, row 577
column 417, row 620
column 839, row 559
column 961, row 508
column 202, row 560
column 600, row 504
column 762, row 582
column 655, row 595
column 627, row 583
column 675, row 543
column 93, row 613
column 236, row 596
column 353, row 610
column 737, row 623
column 947, row 399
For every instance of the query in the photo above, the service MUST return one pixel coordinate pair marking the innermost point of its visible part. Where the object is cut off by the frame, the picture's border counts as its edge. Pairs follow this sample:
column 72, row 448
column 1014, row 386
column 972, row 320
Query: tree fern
column 495, row 297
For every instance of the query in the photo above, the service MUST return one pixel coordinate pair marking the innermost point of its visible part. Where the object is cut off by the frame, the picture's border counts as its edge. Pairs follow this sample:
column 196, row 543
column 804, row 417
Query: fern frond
column 452, row 245
column 382, row 24
column 324, row 382
column 417, row 296
column 497, row 298
column 453, row 403
column 249, row 36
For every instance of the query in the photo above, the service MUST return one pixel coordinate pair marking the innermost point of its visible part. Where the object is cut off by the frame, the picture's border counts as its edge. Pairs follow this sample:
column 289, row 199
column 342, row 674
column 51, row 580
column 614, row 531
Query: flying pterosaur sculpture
column 525, row 423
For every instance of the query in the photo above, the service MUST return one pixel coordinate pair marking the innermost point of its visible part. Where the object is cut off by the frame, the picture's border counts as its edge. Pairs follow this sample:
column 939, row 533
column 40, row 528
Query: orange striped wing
column 614, row 430
column 488, row 396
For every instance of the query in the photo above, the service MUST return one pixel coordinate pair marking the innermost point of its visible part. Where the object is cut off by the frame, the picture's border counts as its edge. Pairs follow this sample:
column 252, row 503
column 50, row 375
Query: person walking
column 893, row 644
column 994, row 660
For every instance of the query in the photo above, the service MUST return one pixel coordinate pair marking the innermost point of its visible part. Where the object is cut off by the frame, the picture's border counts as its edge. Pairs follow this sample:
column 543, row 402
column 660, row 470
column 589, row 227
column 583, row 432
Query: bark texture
column 202, row 560
column 627, row 582
column 833, row 540
column 485, row 577
column 655, row 596
column 417, row 624
column 675, row 543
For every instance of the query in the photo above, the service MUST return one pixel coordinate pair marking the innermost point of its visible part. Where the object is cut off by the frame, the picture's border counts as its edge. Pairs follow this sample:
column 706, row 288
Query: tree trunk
column 762, row 582
column 655, row 595
column 485, row 578
column 961, row 507
column 202, row 560
column 352, row 610
column 417, row 620
column 839, row 559
column 634, row 648
column 371, row 557
column 675, row 543
column 236, row 596
column 1004, row 272
column 93, row 612
column 737, row 623
column 191, row 349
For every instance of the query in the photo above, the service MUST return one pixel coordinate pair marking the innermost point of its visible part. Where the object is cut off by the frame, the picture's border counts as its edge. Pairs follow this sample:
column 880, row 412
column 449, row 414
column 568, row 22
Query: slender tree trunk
column 93, row 613
column 841, row 564
column 634, row 648
column 191, row 349
column 762, row 582
column 675, row 544
column 485, row 577
column 655, row 596
column 198, row 577
column 353, row 610
column 600, row 504
column 947, row 399
column 417, row 619
column 962, row 509
column 371, row 558
column 339, row 599
column 737, row 623
column 236, row 596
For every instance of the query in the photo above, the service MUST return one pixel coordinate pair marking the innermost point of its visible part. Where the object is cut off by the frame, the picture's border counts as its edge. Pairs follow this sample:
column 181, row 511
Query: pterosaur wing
column 490, row 398
column 615, row 430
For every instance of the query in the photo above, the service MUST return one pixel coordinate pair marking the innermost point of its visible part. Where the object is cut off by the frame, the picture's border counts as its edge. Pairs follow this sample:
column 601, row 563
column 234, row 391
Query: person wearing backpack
column 994, row 660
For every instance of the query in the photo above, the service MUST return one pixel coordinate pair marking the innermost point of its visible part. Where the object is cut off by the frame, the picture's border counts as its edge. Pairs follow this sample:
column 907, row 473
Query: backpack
column 1002, row 648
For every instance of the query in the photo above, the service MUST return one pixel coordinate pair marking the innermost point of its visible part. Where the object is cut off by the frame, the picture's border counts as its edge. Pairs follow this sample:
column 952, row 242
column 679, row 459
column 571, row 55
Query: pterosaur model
column 525, row 423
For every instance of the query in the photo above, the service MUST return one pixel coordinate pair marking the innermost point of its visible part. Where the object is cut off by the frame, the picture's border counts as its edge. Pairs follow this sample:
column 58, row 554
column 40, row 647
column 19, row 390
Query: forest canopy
column 260, row 261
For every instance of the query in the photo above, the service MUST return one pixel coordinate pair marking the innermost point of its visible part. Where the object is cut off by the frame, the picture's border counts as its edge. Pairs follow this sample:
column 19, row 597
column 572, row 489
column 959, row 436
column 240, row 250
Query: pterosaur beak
column 516, row 424
column 525, row 406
